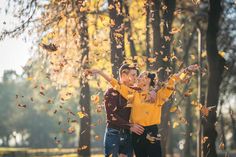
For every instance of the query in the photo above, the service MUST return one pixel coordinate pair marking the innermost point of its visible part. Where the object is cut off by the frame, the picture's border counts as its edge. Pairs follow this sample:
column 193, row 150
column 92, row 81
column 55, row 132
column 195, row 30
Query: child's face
column 143, row 80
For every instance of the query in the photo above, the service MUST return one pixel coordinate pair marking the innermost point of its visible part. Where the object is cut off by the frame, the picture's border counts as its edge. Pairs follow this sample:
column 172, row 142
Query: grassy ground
column 41, row 152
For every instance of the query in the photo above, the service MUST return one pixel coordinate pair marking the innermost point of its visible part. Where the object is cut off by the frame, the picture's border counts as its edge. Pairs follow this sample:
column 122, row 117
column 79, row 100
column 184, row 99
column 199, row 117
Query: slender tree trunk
column 84, row 102
column 216, row 67
column 233, row 122
column 129, row 32
column 155, row 21
column 188, row 109
column 161, row 62
column 116, row 35
column 148, row 33
column 222, row 125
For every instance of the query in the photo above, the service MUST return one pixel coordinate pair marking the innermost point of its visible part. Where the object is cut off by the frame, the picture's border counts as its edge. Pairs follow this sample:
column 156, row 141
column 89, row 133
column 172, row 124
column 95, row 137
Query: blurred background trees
column 52, row 104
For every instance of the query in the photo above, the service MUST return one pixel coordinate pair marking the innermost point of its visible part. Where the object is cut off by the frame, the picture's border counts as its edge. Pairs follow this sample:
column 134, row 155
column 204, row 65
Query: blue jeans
column 117, row 142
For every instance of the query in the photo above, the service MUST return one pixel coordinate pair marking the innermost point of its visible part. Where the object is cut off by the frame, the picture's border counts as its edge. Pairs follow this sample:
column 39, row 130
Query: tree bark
column 163, row 52
column 155, row 21
column 148, row 34
column 84, row 102
column 233, row 122
column 129, row 32
column 216, row 67
column 116, row 35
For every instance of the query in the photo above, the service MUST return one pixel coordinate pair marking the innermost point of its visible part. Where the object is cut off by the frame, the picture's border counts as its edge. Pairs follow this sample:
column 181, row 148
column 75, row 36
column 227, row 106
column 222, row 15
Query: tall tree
column 164, row 62
column 128, row 28
column 148, row 33
column 116, row 34
column 155, row 22
column 216, row 67
column 84, row 102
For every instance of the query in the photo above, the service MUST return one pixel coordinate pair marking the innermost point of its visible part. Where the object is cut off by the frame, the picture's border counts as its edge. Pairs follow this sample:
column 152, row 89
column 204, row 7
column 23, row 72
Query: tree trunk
column 222, row 125
column 116, row 35
column 129, row 32
column 216, row 67
column 233, row 121
column 148, row 34
column 188, row 109
column 163, row 75
column 155, row 21
column 84, row 102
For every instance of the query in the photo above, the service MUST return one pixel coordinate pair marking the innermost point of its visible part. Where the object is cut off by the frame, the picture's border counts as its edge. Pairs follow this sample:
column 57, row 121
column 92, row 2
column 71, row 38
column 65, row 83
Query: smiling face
column 143, row 81
column 129, row 77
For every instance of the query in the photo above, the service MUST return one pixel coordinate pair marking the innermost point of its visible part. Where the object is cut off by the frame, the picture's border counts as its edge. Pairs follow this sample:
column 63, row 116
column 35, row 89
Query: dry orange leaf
column 95, row 99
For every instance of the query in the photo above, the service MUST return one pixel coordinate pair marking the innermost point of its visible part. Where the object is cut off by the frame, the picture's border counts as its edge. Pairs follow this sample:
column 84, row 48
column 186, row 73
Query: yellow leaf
column 204, row 54
column 81, row 114
column 173, row 108
column 29, row 78
column 222, row 54
column 165, row 59
column 192, row 57
column 151, row 60
column 175, row 124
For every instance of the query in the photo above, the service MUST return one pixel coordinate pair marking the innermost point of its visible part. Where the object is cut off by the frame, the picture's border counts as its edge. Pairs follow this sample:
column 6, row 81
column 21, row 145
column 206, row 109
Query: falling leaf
column 29, row 78
column 175, row 124
column 165, row 59
column 173, row 108
column 204, row 54
column 196, row 2
column 205, row 111
column 175, row 30
column 97, row 138
column 81, row 114
column 71, row 129
column 222, row 54
column 110, row 7
column 112, row 23
column 95, row 99
column 188, row 93
column 151, row 60
column 204, row 139
column 192, row 57
column 222, row 146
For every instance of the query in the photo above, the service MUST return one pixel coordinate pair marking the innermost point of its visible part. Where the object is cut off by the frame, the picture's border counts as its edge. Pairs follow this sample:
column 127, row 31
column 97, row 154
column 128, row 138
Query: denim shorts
column 117, row 142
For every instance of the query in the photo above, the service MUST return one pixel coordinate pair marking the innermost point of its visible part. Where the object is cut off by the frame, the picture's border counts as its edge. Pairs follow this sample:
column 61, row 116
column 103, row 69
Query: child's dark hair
column 125, row 68
column 152, row 76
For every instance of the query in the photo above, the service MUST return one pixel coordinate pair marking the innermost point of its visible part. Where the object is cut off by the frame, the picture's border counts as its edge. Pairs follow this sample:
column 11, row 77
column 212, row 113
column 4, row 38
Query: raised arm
column 124, row 90
column 165, row 92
